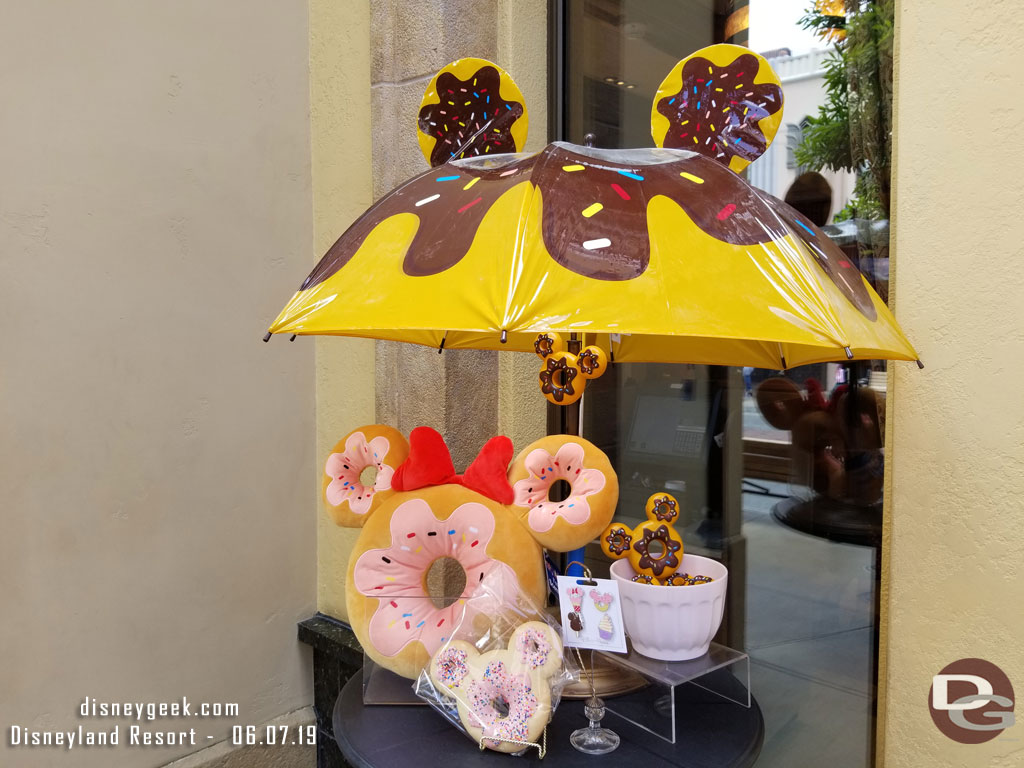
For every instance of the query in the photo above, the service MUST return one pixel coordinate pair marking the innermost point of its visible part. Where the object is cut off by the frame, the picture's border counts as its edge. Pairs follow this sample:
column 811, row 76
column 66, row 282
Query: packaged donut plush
column 430, row 538
column 502, row 697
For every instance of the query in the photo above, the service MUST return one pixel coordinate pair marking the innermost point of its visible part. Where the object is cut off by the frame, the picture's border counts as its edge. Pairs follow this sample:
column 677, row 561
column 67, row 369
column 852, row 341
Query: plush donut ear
column 351, row 496
column 594, row 491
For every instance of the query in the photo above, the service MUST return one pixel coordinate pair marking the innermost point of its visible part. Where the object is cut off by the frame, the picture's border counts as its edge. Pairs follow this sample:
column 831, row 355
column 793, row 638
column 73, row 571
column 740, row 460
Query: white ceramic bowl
column 673, row 623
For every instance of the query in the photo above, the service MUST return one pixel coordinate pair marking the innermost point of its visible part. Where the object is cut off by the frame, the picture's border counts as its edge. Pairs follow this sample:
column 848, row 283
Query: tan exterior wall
column 156, row 456
column 955, row 553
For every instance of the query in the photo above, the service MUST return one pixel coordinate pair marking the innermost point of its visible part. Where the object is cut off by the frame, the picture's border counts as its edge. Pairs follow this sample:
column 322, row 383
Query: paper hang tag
column 591, row 614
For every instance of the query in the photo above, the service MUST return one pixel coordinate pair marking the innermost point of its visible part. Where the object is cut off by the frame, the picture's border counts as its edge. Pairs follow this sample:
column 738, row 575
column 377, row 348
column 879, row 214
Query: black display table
column 713, row 733
column 832, row 520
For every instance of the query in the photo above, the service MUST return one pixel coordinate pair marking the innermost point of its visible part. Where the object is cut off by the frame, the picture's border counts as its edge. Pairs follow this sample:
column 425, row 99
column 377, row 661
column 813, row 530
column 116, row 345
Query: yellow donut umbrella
column 659, row 254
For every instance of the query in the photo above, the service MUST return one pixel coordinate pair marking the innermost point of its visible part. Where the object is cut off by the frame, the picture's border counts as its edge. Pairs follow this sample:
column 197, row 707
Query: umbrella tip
column 589, row 139
column 920, row 365
column 293, row 337
column 784, row 366
column 849, row 353
column 440, row 347
column 504, row 337
column 267, row 337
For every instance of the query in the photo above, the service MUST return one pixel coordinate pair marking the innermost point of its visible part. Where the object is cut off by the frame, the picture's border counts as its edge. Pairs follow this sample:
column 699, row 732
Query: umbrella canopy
column 661, row 254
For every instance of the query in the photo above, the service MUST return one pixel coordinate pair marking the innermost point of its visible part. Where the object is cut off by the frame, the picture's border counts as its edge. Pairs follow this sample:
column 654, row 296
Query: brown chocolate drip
column 717, row 200
column 668, row 559
column 665, row 509
column 720, row 107
column 447, row 224
column 618, row 540
column 471, row 118
column 555, row 370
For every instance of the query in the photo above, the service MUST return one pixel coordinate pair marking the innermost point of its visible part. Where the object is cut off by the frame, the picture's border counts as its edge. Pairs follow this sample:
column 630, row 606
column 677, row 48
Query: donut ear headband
column 373, row 463
column 723, row 101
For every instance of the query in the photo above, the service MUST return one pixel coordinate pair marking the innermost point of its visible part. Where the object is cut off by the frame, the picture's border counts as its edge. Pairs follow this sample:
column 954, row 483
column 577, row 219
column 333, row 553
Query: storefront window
column 779, row 473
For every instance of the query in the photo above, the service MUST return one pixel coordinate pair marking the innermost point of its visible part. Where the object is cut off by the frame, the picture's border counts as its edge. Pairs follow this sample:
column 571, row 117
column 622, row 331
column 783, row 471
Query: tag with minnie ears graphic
column 591, row 614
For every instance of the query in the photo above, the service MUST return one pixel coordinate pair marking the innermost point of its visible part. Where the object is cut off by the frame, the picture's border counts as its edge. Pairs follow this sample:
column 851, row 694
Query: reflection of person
column 748, row 372
column 837, row 444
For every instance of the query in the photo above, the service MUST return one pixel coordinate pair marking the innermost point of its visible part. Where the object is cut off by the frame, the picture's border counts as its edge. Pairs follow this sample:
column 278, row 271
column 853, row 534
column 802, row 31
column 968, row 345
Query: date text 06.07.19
column 263, row 735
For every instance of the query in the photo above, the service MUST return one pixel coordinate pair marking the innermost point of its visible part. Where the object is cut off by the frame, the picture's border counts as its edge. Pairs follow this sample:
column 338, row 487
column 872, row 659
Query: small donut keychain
column 564, row 375
column 654, row 548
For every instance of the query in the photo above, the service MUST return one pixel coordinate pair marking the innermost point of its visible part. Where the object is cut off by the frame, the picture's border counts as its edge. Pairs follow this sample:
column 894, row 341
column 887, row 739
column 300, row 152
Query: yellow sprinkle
column 695, row 140
column 462, row 124
column 446, row 126
column 463, row 538
column 452, row 103
column 390, row 578
column 712, row 126
column 487, row 148
column 590, row 210
column 685, row 122
column 418, row 550
column 466, row 104
column 740, row 85
column 497, row 130
column 571, row 168
column 745, row 110
column 474, row 81
column 710, row 70
column 726, row 109
column 691, row 177
column 718, row 89
column 472, row 182
column 392, row 623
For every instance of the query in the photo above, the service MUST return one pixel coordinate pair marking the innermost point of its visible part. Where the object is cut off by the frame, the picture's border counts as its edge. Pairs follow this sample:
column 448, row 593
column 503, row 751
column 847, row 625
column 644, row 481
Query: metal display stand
column 722, row 671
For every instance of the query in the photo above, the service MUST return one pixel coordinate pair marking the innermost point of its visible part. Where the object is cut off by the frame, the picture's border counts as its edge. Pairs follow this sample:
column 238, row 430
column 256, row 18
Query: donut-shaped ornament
column 471, row 107
column 657, row 549
column 616, row 540
column 643, row 578
column 593, row 491
column 723, row 101
column 503, row 696
column 564, row 375
column 357, row 475
column 560, row 379
column 662, row 508
column 536, row 646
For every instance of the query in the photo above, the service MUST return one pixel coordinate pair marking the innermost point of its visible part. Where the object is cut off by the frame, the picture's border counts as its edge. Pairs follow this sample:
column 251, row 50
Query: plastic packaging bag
column 499, row 677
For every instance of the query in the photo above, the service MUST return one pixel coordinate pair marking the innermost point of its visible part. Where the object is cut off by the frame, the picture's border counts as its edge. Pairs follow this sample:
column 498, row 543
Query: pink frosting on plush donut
column 545, row 470
column 345, row 469
column 395, row 575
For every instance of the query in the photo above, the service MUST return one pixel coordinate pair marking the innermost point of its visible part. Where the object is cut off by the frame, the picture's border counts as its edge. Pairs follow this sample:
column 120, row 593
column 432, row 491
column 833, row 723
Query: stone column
column 456, row 392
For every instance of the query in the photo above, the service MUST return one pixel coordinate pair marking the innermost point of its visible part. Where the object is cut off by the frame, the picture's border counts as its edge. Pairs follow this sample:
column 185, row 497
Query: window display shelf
column 722, row 671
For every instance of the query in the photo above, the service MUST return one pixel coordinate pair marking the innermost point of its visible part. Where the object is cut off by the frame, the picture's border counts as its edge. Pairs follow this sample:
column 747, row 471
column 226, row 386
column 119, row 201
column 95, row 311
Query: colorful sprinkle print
column 718, row 108
column 545, row 470
column 500, row 684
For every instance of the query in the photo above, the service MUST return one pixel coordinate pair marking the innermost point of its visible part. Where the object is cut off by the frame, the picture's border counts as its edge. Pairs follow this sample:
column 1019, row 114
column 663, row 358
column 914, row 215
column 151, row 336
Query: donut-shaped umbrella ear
column 471, row 107
column 351, row 495
column 594, row 491
column 723, row 101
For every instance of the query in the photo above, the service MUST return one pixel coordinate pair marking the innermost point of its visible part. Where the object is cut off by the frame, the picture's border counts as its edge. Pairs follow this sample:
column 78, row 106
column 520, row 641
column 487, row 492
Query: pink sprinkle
column 470, row 205
column 621, row 192
column 509, row 173
column 844, row 264
column 726, row 212
column 394, row 604
column 407, row 625
column 409, row 535
column 440, row 622
column 475, row 543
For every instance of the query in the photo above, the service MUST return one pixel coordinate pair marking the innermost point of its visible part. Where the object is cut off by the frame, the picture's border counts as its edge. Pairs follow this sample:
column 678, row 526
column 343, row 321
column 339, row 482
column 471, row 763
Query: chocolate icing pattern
column 717, row 109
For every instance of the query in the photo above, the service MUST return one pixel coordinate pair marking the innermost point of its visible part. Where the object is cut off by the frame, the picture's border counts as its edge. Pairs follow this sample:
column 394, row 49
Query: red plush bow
column 430, row 463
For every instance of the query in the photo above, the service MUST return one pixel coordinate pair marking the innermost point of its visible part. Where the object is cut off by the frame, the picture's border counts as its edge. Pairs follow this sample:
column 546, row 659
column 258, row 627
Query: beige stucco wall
column 156, row 459
column 956, row 465
column 364, row 135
